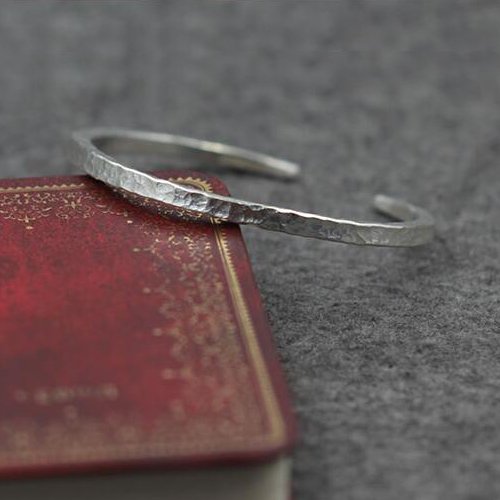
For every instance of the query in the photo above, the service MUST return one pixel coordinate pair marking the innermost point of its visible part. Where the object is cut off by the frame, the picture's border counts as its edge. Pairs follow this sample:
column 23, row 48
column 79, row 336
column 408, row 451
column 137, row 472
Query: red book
column 132, row 340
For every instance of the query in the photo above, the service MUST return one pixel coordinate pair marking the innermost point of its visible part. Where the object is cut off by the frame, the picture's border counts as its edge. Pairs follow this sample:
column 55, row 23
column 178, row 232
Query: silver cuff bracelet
column 91, row 149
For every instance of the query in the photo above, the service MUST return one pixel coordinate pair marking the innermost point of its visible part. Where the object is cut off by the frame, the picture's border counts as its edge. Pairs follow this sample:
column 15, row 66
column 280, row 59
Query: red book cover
column 128, row 338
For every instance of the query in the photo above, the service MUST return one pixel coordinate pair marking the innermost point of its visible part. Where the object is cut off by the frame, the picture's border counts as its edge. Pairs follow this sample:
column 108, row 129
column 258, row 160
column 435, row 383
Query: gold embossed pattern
column 223, row 357
column 30, row 204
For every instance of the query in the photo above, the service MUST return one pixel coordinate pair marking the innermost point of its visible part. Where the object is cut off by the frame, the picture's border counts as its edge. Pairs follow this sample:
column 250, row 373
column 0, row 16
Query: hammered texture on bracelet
column 92, row 150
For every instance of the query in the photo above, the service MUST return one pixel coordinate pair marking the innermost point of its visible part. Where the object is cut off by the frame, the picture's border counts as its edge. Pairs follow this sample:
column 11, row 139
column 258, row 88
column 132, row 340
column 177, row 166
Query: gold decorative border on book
column 30, row 204
column 31, row 189
column 277, row 430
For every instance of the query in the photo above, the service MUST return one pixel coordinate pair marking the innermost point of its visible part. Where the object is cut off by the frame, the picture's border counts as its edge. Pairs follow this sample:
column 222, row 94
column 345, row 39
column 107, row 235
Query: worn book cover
column 128, row 338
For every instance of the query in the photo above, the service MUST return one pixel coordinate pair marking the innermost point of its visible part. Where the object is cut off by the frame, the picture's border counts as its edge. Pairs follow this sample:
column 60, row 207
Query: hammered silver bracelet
column 91, row 150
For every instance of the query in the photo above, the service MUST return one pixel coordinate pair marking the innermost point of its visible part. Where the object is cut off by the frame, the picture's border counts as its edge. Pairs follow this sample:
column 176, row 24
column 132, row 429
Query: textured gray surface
column 393, row 356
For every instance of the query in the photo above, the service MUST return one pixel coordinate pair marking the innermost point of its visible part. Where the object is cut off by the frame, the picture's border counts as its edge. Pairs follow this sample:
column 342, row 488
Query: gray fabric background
column 392, row 356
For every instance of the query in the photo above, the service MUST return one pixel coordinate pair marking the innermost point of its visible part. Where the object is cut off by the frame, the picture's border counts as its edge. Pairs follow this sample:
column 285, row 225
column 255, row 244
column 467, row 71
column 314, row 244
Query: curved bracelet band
column 91, row 150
